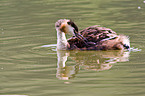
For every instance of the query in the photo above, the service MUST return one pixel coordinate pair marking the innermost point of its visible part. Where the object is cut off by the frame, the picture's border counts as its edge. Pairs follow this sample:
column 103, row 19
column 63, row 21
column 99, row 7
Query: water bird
column 90, row 38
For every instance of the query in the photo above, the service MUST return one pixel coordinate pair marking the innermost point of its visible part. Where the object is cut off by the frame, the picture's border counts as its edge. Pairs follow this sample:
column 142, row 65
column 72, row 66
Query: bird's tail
column 125, row 41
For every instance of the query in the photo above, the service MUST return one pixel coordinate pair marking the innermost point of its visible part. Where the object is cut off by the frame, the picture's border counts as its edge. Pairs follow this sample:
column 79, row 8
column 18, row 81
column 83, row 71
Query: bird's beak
column 75, row 33
column 79, row 36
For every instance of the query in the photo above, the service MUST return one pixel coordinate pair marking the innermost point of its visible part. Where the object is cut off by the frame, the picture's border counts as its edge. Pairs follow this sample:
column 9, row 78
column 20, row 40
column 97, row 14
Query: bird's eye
column 68, row 23
column 57, row 25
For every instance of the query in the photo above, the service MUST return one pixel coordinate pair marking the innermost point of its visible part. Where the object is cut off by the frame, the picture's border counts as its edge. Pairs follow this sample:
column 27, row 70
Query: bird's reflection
column 89, row 60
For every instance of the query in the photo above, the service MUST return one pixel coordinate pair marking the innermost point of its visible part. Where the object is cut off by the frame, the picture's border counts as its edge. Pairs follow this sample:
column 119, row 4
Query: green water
column 27, row 68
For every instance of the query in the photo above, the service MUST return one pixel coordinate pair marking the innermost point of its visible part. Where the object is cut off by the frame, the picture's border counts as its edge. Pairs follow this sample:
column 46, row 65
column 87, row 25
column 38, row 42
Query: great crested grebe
column 91, row 38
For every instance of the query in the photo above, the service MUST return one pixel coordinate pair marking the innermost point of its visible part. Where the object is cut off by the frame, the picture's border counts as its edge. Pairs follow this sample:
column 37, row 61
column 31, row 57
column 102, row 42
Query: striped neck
column 62, row 43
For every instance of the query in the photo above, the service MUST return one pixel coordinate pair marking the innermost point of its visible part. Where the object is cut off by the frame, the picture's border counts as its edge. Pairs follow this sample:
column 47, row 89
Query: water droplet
column 139, row 7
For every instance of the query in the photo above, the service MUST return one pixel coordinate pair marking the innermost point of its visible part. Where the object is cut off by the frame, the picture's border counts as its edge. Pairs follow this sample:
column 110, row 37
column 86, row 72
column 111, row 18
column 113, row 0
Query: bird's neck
column 62, row 43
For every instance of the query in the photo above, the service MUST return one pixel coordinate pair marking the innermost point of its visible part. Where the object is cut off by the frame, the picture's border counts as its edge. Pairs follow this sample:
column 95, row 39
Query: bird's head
column 66, row 26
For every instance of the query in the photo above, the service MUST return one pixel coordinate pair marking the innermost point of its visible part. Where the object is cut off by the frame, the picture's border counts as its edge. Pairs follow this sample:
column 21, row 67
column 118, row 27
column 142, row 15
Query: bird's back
column 98, row 38
column 96, row 33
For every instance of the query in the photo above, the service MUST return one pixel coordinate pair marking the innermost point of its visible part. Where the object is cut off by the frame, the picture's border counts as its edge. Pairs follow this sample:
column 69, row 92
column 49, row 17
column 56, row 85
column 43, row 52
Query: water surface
column 27, row 68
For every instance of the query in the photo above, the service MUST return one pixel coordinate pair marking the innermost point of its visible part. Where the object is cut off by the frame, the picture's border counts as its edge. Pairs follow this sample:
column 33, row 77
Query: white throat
column 62, row 43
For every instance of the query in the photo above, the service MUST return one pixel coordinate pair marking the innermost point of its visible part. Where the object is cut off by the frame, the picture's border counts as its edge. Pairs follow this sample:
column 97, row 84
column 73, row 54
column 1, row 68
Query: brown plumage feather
column 98, row 38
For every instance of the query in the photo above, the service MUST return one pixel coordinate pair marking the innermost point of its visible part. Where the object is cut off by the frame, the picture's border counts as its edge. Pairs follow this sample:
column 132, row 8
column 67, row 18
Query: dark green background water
column 26, row 68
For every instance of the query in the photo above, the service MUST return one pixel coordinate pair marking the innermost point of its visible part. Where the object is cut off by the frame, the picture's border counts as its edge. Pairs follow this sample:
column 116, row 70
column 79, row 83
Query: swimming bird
column 90, row 38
